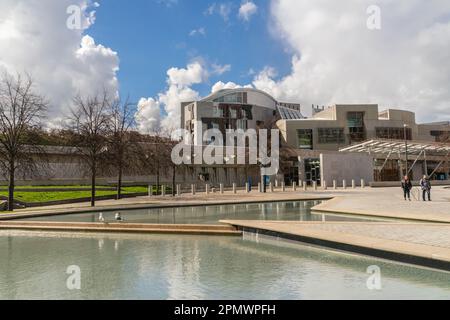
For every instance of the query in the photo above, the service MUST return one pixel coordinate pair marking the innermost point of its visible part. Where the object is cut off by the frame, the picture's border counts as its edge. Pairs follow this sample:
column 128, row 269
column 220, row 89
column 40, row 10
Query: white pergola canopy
column 380, row 146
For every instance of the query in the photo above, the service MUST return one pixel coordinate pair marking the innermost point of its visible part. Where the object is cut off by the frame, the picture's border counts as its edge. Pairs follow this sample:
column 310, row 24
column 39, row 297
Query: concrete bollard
column 247, row 187
column 300, row 183
column 294, row 186
column 178, row 190
column 305, row 186
column 325, row 187
column 207, row 189
column 363, row 183
column 221, row 188
column 234, row 188
column 283, row 187
column 271, row 187
column 353, row 184
column 276, row 183
column 334, row 184
column 315, row 185
column 150, row 190
column 193, row 189
column 163, row 190
column 344, row 184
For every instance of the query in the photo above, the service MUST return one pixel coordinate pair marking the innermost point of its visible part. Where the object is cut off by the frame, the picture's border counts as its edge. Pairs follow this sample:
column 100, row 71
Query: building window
column 394, row 133
column 355, row 124
column 441, row 136
column 237, row 97
column 241, row 124
column 331, row 135
column 218, row 112
column 305, row 139
column 355, row 119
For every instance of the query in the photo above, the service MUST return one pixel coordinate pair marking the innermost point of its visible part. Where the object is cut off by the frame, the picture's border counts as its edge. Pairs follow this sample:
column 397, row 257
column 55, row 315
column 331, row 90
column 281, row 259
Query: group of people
column 425, row 185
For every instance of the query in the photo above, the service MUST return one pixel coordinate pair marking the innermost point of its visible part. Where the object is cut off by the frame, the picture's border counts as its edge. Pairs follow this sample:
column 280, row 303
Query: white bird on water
column 101, row 218
column 118, row 217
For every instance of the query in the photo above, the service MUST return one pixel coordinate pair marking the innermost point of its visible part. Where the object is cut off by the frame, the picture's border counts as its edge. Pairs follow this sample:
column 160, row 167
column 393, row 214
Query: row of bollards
column 270, row 188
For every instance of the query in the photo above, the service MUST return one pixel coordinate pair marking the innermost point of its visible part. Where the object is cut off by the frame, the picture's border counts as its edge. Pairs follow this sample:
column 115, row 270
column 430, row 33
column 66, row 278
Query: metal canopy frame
column 380, row 146
column 415, row 148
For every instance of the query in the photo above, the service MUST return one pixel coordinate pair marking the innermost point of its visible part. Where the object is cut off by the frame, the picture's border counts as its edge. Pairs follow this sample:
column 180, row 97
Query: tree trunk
column 119, row 182
column 11, row 188
column 157, row 179
column 93, row 182
column 174, row 168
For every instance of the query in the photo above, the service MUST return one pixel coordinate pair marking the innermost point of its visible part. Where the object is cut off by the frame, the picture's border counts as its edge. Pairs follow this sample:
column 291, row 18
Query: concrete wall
column 336, row 117
column 346, row 166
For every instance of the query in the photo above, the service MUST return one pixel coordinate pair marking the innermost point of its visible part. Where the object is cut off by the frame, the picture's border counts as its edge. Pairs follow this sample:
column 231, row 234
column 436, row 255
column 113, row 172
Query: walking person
column 407, row 187
column 425, row 184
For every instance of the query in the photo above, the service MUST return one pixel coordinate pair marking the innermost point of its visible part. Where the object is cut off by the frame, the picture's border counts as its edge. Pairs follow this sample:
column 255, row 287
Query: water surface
column 123, row 266
column 289, row 211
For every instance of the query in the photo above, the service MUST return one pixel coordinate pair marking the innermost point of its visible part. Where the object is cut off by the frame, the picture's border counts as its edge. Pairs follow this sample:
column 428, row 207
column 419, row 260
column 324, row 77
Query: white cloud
column 148, row 115
column 229, row 85
column 337, row 59
column 168, row 3
column 247, row 10
column 34, row 38
column 222, row 9
column 199, row 31
column 218, row 69
column 179, row 82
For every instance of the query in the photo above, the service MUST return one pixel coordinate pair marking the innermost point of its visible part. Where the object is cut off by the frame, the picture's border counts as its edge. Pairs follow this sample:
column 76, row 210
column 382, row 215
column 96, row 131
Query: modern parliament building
column 340, row 142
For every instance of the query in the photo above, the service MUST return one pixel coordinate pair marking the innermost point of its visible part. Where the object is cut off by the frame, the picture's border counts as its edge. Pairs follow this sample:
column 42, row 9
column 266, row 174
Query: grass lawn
column 33, row 197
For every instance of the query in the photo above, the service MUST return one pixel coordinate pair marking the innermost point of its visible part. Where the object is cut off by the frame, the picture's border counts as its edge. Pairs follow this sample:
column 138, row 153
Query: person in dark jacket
column 425, row 184
column 407, row 187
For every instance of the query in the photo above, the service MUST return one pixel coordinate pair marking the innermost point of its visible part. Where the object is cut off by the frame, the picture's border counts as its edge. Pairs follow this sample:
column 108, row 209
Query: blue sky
column 152, row 36
column 323, row 52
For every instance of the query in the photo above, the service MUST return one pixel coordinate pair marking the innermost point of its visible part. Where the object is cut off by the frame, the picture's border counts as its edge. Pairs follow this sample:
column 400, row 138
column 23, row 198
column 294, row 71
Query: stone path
column 389, row 203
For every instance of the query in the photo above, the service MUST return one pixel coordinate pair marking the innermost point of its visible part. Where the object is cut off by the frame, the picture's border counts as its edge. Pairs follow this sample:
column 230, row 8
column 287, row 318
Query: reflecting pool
column 33, row 265
column 290, row 211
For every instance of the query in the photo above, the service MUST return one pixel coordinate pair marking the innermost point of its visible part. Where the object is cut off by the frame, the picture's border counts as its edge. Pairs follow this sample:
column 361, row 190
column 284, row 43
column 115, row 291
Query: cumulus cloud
column 148, row 115
column 247, row 10
column 34, row 38
column 337, row 59
column 229, row 85
column 179, row 82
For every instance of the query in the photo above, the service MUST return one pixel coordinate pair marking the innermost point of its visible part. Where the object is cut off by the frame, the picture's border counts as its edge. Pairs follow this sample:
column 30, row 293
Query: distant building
column 315, row 143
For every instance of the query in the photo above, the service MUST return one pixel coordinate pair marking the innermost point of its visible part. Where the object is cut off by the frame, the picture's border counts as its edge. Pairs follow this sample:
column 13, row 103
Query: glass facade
column 355, row 124
column 237, row 97
column 331, row 135
column 394, row 133
column 441, row 136
column 305, row 139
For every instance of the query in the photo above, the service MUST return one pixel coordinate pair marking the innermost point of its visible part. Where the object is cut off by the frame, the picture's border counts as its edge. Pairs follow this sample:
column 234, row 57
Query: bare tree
column 167, row 148
column 122, row 146
column 88, row 122
column 21, row 112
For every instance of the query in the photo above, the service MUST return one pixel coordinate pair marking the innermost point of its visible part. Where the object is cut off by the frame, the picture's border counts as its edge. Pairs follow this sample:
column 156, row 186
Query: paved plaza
column 389, row 203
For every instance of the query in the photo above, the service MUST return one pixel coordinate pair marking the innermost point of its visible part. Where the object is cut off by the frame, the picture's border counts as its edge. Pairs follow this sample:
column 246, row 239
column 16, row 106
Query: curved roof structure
column 225, row 92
